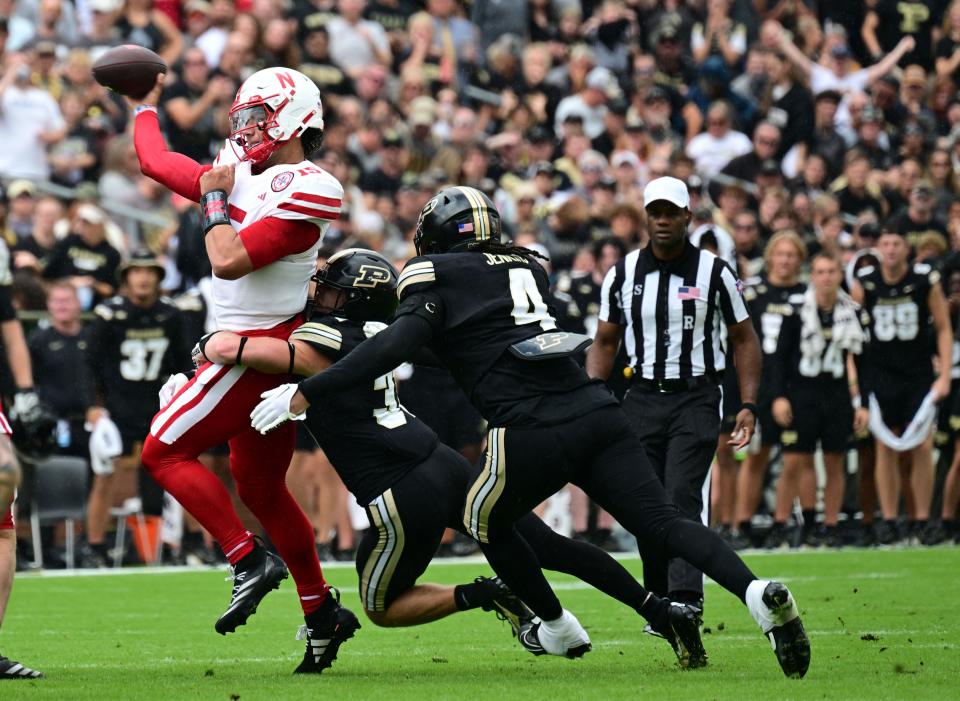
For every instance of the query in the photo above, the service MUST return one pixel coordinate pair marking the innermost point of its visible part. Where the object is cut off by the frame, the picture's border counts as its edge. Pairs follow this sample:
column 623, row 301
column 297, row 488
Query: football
column 129, row 70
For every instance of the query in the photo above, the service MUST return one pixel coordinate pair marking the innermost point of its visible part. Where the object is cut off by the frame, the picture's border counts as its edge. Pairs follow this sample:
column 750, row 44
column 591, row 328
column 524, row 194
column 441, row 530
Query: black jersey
column 369, row 438
column 132, row 352
column 794, row 367
column 61, row 371
column 487, row 302
column 579, row 296
column 768, row 305
column 898, row 318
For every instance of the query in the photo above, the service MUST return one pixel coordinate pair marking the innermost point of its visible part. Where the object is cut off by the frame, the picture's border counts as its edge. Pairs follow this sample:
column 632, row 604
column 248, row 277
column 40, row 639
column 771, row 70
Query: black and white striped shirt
column 671, row 311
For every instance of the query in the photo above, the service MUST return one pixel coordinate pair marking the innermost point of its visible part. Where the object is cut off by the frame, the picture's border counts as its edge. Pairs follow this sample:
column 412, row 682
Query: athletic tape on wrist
column 243, row 342
column 214, row 208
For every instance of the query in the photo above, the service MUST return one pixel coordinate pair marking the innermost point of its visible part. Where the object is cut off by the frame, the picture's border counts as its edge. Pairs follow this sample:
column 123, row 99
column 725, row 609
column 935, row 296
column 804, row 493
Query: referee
column 666, row 303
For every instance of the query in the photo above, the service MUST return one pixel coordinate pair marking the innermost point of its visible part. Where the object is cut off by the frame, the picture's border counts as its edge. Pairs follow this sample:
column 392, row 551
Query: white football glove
column 372, row 328
column 105, row 445
column 171, row 387
column 274, row 409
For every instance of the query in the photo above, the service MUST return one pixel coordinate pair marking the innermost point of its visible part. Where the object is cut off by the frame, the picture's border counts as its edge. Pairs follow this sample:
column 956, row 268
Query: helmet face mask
column 455, row 217
column 247, row 120
column 356, row 284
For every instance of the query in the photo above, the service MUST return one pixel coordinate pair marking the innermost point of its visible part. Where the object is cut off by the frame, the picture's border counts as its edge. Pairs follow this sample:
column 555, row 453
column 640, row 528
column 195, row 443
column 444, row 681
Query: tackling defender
column 264, row 217
column 478, row 304
column 412, row 485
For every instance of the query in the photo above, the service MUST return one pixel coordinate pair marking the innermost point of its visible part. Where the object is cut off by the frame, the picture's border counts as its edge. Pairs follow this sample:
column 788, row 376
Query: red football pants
column 213, row 408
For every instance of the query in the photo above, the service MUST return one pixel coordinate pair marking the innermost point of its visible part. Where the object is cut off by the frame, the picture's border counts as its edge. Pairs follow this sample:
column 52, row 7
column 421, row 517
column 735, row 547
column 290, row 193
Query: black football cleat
column 507, row 605
column 9, row 669
column 326, row 629
column 255, row 576
column 773, row 608
column 682, row 630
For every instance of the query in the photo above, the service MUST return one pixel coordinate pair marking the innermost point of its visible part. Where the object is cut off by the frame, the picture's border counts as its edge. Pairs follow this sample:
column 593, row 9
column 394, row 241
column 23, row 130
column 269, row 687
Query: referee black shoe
column 325, row 630
column 775, row 611
column 507, row 605
column 255, row 576
column 10, row 669
column 681, row 628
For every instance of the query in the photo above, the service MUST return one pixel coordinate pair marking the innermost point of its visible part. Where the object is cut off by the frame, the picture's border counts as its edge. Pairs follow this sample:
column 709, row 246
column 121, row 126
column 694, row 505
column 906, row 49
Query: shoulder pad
column 564, row 281
column 866, row 270
column 921, row 268
column 418, row 273
column 796, row 298
column 306, row 192
column 315, row 333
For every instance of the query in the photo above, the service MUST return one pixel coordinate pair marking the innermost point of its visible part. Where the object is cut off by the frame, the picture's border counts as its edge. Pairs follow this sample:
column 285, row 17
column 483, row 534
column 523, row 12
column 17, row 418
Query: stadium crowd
column 799, row 127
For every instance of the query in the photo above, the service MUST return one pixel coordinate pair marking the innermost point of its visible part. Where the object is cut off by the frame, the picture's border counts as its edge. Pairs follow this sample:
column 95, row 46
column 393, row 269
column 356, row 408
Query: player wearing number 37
column 265, row 208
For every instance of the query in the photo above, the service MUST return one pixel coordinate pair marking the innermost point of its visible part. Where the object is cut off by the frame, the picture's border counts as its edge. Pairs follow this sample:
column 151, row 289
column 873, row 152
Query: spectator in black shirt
column 917, row 219
column 786, row 103
column 317, row 66
column 32, row 251
column 855, row 196
column 888, row 21
column 948, row 48
column 190, row 107
column 85, row 258
column 825, row 140
column 61, row 367
column 386, row 178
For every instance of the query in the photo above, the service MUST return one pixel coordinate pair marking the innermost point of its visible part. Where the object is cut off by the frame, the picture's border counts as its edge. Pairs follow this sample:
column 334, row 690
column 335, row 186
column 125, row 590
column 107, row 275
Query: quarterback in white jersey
column 265, row 210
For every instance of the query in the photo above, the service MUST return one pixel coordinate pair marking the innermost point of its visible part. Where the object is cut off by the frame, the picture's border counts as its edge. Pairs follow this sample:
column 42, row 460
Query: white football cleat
column 773, row 608
column 564, row 637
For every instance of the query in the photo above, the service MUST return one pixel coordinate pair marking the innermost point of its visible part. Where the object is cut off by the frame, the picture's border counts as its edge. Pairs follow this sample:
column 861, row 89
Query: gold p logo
column 371, row 276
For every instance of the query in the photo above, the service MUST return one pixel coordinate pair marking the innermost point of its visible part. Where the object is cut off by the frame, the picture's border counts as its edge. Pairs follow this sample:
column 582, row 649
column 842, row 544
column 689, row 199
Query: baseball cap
column 670, row 189
column 657, row 92
column 629, row 158
column 392, row 138
column 922, row 189
column 770, row 167
column 545, row 168
column 840, row 51
column 423, row 111
column 21, row 187
column 600, row 78
column 832, row 95
column 90, row 213
column 538, row 134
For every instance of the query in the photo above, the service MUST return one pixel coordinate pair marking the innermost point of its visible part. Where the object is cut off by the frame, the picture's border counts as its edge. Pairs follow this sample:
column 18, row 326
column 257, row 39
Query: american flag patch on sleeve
column 688, row 293
column 465, row 228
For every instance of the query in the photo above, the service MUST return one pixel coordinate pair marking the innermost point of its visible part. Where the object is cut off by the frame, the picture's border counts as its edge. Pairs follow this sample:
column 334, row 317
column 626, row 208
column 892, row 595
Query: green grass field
column 884, row 625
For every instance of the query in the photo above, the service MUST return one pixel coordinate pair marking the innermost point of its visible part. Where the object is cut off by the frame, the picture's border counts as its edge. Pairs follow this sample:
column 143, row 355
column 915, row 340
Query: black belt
column 680, row 384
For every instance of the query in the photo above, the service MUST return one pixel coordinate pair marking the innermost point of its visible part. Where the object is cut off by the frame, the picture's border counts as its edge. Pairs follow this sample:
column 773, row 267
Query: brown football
column 129, row 70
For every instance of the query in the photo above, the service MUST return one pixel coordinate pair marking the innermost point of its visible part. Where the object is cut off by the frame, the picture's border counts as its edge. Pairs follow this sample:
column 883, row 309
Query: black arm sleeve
column 7, row 312
column 783, row 357
column 396, row 344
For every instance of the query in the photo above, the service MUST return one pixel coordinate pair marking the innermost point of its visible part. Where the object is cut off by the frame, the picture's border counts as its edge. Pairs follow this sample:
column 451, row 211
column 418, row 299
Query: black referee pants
column 600, row 453
column 679, row 432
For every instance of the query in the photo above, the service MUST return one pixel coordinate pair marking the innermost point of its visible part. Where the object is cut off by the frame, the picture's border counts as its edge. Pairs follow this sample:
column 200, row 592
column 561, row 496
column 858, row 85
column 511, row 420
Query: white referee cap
column 669, row 189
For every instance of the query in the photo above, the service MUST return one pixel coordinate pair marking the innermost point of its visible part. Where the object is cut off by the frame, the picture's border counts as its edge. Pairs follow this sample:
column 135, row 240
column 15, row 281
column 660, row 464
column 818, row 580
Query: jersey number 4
column 142, row 358
column 528, row 304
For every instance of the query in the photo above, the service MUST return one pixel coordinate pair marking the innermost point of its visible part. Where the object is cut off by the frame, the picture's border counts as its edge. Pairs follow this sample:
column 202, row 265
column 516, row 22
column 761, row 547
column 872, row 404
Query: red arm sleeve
column 173, row 170
column 273, row 238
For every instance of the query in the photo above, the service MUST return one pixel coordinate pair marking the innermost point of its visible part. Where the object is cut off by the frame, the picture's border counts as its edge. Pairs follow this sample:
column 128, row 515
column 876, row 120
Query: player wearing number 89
column 136, row 341
column 815, row 388
column 900, row 300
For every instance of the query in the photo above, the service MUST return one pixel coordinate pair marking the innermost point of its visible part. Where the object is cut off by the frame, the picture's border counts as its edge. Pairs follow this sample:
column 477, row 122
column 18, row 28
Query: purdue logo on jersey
column 371, row 276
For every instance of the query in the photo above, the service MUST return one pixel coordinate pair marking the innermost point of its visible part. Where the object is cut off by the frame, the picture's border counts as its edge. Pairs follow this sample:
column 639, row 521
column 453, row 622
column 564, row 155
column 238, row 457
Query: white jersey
column 272, row 294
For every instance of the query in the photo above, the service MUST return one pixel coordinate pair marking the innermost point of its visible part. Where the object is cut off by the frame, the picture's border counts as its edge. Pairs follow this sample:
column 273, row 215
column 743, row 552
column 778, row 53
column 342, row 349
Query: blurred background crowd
column 828, row 119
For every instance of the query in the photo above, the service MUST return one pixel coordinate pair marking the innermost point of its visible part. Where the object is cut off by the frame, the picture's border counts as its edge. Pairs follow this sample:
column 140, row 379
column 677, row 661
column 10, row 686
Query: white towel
column 847, row 334
column 916, row 432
